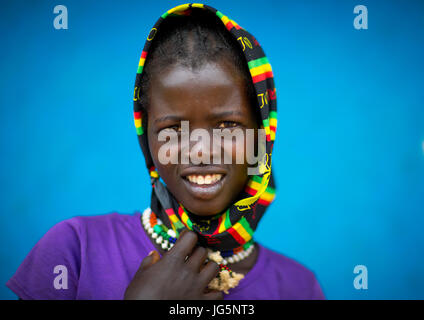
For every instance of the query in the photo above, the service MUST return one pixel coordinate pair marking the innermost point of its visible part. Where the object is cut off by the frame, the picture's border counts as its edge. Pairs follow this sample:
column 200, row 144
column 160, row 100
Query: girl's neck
column 243, row 266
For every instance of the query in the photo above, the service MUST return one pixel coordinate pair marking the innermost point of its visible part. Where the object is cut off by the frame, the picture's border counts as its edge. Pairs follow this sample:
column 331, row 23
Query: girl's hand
column 173, row 277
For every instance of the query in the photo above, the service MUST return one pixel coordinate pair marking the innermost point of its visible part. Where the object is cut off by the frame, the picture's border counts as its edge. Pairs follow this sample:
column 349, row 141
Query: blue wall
column 349, row 157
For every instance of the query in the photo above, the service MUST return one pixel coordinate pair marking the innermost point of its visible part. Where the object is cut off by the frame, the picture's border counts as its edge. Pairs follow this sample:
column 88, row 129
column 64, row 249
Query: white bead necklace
column 167, row 244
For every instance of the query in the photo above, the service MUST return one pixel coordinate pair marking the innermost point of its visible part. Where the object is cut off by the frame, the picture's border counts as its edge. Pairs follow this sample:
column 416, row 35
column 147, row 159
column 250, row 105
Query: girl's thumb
column 151, row 258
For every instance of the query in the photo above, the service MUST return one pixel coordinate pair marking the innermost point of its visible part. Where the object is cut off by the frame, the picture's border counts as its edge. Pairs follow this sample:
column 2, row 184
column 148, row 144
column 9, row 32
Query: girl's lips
column 204, row 191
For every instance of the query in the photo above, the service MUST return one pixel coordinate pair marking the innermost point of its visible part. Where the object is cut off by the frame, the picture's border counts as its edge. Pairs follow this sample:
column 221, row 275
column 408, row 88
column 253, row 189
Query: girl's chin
column 205, row 210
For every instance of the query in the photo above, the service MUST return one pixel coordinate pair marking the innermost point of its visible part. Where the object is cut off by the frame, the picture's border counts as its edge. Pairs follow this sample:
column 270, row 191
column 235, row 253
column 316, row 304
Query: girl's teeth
column 200, row 179
column 208, row 179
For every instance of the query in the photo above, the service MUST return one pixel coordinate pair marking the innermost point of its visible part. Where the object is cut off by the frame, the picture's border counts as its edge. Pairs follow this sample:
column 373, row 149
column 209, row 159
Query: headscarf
column 233, row 229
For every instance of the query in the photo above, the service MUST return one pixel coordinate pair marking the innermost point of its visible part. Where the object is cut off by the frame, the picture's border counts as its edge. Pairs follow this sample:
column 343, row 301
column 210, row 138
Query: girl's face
column 212, row 97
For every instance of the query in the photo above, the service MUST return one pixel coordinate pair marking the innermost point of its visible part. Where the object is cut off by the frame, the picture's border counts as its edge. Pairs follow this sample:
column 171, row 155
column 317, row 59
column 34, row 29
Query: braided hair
column 191, row 41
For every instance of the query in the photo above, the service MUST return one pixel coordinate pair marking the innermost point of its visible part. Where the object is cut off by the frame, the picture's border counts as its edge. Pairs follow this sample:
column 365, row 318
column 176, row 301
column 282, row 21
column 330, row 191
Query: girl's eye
column 175, row 128
column 228, row 124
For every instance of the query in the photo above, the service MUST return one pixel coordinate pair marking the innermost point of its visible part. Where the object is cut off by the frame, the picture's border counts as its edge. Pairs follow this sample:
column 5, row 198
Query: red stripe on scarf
column 262, row 76
column 236, row 236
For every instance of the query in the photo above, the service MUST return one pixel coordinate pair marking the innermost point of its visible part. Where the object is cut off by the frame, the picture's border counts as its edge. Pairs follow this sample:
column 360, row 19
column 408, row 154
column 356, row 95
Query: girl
column 196, row 239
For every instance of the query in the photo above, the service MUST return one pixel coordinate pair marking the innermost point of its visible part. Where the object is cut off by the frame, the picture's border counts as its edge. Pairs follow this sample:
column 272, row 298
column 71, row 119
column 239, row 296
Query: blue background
column 349, row 154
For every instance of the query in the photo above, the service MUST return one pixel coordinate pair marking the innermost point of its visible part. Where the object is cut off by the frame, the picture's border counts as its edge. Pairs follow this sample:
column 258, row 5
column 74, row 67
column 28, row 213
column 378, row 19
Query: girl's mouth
column 204, row 186
column 208, row 179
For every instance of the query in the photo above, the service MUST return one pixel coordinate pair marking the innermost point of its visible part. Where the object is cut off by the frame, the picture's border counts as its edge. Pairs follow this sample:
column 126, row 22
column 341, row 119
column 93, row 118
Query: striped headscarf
column 232, row 230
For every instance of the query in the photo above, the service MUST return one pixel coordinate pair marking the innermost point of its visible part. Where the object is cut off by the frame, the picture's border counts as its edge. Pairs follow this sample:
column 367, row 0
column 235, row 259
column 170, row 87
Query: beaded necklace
column 166, row 238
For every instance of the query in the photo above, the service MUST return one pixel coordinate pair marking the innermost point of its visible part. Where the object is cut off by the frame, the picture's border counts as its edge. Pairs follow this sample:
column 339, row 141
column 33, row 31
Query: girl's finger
column 155, row 256
column 197, row 258
column 213, row 295
column 209, row 271
column 184, row 246
column 151, row 258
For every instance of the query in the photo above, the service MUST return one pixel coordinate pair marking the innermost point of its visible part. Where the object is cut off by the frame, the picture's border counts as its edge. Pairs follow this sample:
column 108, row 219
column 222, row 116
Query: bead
column 172, row 233
column 146, row 214
column 166, row 238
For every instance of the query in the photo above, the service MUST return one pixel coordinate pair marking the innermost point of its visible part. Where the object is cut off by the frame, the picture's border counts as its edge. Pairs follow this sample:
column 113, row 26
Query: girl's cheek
column 168, row 152
column 235, row 150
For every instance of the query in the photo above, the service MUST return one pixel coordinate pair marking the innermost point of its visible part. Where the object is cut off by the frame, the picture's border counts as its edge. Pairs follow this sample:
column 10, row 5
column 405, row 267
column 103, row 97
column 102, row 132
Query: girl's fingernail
column 151, row 252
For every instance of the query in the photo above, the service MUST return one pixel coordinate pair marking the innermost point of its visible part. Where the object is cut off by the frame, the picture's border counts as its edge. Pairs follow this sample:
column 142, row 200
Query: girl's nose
column 200, row 148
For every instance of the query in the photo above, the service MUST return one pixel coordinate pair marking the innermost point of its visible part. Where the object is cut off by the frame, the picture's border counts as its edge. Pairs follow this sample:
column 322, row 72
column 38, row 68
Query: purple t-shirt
column 99, row 255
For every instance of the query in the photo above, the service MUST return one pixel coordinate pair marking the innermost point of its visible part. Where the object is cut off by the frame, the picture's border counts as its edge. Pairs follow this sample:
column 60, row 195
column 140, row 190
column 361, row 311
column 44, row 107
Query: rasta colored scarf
column 234, row 228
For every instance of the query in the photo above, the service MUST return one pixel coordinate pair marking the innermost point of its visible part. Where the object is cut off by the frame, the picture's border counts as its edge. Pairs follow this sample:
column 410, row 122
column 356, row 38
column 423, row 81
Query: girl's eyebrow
column 224, row 114
column 167, row 118
column 216, row 115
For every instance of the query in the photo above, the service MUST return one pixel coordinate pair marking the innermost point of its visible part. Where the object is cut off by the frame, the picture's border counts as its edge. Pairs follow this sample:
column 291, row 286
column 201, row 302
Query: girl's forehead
column 211, row 73
column 212, row 87
column 219, row 72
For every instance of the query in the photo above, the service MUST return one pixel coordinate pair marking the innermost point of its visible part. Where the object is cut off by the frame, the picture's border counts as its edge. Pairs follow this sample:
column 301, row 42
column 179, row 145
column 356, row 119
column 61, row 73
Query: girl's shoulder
column 73, row 248
column 299, row 281
column 93, row 222
column 284, row 263
column 277, row 276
